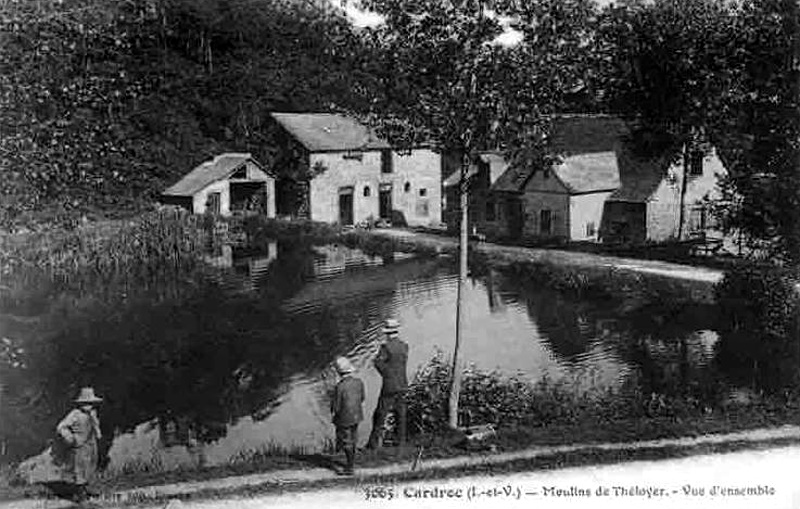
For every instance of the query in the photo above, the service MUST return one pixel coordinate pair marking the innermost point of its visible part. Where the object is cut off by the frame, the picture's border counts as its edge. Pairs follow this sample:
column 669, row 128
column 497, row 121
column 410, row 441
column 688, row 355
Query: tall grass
column 126, row 255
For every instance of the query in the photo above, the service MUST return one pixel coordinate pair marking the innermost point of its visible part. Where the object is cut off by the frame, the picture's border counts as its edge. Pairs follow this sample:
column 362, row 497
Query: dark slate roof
column 455, row 177
column 583, row 134
column 637, row 188
column 513, row 179
column 207, row 173
column 586, row 173
column 320, row 132
column 487, row 157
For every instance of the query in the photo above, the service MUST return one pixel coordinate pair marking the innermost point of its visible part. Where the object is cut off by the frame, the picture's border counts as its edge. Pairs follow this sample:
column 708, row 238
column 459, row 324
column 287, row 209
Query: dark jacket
column 391, row 364
column 347, row 400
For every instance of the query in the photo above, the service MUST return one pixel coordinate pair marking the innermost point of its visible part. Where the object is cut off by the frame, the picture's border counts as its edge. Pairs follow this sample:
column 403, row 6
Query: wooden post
column 455, row 384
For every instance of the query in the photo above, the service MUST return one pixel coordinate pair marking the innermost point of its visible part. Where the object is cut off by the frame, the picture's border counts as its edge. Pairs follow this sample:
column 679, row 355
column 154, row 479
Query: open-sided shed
column 227, row 184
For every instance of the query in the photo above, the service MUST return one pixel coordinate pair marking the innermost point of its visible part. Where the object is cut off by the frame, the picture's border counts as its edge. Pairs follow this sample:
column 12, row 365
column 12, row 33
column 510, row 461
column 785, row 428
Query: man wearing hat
column 346, row 408
column 80, row 431
column 391, row 364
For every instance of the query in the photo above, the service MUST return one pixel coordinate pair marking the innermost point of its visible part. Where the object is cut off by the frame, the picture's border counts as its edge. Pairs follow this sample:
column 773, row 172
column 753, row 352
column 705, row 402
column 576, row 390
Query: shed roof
column 322, row 132
column 638, row 187
column 207, row 173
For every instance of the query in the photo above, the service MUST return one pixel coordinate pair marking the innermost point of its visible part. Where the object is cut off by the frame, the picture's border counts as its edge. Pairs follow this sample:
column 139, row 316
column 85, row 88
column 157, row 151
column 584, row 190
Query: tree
column 669, row 66
column 445, row 79
column 762, row 190
column 105, row 104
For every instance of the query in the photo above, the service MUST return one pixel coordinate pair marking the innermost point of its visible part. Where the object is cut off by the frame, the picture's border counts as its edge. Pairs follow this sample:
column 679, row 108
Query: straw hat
column 391, row 326
column 87, row 396
column 344, row 366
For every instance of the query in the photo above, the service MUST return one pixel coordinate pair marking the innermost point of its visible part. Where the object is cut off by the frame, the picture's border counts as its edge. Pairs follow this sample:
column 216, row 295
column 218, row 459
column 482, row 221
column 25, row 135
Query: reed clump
column 158, row 245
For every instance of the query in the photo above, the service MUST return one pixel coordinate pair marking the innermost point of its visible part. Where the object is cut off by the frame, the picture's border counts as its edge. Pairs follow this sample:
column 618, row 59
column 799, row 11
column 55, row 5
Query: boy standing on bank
column 347, row 411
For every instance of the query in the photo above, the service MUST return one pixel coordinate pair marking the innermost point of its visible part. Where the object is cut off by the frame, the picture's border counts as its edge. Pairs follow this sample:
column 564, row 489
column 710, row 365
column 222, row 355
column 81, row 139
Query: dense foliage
column 489, row 397
column 760, row 329
column 105, row 104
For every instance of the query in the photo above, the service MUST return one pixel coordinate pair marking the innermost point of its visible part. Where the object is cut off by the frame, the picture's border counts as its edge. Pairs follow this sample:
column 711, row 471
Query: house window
column 491, row 211
column 407, row 187
column 545, row 222
column 353, row 154
column 696, row 163
column 386, row 161
column 423, row 192
column 241, row 173
column 590, row 229
column 367, row 191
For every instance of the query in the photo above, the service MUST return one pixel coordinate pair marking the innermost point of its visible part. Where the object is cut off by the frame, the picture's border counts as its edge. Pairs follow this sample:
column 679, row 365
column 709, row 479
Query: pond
column 234, row 357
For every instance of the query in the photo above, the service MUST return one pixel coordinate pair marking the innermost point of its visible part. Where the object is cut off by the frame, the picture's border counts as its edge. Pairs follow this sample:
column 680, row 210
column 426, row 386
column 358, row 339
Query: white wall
column 421, row 170
column 201, row 197
column 663, row 209
column 585, row 209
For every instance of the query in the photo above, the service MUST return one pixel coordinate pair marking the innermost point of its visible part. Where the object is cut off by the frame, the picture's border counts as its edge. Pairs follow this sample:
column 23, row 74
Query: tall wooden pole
column 455, row 384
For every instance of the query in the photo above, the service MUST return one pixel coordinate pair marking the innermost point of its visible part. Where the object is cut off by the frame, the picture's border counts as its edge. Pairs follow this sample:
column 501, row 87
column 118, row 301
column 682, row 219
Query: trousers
column 391, row 402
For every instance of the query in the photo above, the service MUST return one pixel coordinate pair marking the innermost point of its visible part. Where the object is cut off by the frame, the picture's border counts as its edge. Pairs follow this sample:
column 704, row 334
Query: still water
column 236, row 357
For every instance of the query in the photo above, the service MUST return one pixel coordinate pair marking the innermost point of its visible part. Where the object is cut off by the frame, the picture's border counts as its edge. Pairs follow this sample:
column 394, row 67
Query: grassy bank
column 592, row 454
column 526, row 415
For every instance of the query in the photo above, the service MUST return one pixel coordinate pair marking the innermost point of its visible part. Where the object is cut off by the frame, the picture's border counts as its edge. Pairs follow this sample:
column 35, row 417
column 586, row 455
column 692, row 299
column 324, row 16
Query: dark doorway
column 249, row 196
column 546, row 222
column 385, row 202
column 346, row 206
column 214, row 204
column 515, row 215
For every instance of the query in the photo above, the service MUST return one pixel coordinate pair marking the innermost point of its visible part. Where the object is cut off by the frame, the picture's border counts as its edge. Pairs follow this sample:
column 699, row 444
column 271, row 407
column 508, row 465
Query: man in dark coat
column 391, row 363
column 346, row 408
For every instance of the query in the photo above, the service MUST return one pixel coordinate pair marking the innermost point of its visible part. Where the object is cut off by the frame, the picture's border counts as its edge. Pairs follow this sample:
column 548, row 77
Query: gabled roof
column 208, row 172
column 586, row 173
column 637, row 188
column 583, row 173
column 323, row 132
column 513, row 179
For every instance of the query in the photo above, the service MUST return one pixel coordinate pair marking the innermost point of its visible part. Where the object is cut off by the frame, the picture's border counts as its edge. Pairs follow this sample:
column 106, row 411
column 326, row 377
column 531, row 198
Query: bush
column 489, row 397
column 760, row 344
